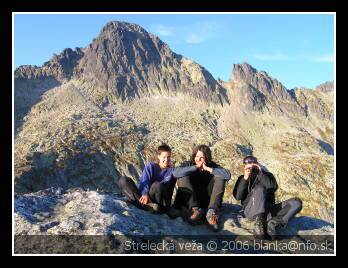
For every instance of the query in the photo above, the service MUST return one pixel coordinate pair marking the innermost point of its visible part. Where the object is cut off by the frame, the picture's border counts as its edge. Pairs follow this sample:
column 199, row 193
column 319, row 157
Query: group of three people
column 201, row 187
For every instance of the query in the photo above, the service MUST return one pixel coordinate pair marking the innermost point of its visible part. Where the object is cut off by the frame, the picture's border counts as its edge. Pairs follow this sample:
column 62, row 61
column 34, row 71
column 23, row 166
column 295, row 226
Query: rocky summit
column 103, row 218
column 93, row 114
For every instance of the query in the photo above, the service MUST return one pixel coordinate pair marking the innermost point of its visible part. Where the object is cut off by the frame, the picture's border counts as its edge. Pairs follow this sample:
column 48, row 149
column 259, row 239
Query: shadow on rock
column 305, row 223
column 80, row 167
column 35, row 208
column 230, row 211
column 28, row 92
column 326, row 147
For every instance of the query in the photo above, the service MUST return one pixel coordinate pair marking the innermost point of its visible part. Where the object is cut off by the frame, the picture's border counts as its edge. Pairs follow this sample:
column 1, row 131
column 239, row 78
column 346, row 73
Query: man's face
column 200, row 157
column 164, row 159
column 249, row 166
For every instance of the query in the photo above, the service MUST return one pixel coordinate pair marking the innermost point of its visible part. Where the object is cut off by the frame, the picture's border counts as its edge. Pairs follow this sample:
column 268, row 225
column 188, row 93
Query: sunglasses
column 250, row 161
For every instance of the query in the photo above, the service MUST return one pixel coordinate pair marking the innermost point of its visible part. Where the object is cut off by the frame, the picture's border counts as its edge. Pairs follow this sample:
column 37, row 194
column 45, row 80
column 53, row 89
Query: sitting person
column 201, row 186
column 256, row 190
column 156, row 185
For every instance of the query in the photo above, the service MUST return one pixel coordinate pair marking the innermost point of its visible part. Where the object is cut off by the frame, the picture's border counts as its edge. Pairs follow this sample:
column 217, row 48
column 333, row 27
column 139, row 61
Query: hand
column 247, row 171
column 199, row 164
column 144, row 199
column 206, row 168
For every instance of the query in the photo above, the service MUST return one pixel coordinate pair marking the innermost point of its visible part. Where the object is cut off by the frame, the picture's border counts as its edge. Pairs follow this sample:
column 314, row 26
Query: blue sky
column 296, row 49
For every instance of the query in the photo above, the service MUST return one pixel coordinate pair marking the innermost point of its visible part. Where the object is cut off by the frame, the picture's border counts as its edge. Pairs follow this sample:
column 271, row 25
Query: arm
column 145, row 180
column 168, row 175
column 240, row 190
column 268, row 180
column 185, row 169
column 221, row 173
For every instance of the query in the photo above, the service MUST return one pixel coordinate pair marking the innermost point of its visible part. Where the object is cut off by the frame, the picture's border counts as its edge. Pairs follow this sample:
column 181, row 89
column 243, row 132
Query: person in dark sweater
column 201, row 186
column 156, row 185
column 256, row 190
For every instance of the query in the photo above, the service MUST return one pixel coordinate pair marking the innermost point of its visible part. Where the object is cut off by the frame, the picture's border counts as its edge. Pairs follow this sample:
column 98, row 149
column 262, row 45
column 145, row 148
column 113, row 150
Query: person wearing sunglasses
column 256, row 190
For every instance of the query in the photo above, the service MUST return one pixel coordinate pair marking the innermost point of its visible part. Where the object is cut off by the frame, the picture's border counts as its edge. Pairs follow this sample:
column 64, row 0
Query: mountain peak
column 242, row 72
column 60, row 66
column 326, row 87
column 130, row 62
column 67, row 55
column 114, row 26
column 128, row 33
column 260, row 80
column 125, row 62
column 247, row 73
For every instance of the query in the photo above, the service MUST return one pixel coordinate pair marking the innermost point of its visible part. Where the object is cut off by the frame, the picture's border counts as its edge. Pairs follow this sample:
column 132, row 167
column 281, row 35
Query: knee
column 122, row 181
column 295, row 203
column 156, row 186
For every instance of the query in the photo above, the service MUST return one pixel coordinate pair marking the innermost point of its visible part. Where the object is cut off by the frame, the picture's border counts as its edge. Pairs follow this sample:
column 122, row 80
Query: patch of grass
column 279, row 148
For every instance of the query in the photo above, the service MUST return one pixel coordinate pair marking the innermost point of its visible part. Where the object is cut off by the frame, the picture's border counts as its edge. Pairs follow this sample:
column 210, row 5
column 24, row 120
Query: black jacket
column 242, row 187
column 188, row 167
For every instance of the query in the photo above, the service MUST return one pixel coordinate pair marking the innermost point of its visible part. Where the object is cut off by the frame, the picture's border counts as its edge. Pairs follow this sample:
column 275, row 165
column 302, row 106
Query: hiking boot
column 173, row 213
column 259, row 227
column 274, row 227
column 212, row 219
column 196, row 215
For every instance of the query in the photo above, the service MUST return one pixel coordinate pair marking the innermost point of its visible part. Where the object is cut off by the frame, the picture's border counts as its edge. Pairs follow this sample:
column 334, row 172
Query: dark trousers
column 283, row 211
column 204, row 192
column 160, row 193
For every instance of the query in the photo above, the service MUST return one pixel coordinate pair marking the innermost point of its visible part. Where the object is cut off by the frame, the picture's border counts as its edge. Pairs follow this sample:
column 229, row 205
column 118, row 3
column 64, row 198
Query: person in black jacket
column 256, row 190
column 201, row 186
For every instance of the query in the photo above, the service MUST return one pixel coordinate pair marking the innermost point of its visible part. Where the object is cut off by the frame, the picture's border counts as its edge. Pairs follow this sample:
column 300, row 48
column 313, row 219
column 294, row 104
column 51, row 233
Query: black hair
column 205, row 150
column 163, row 148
